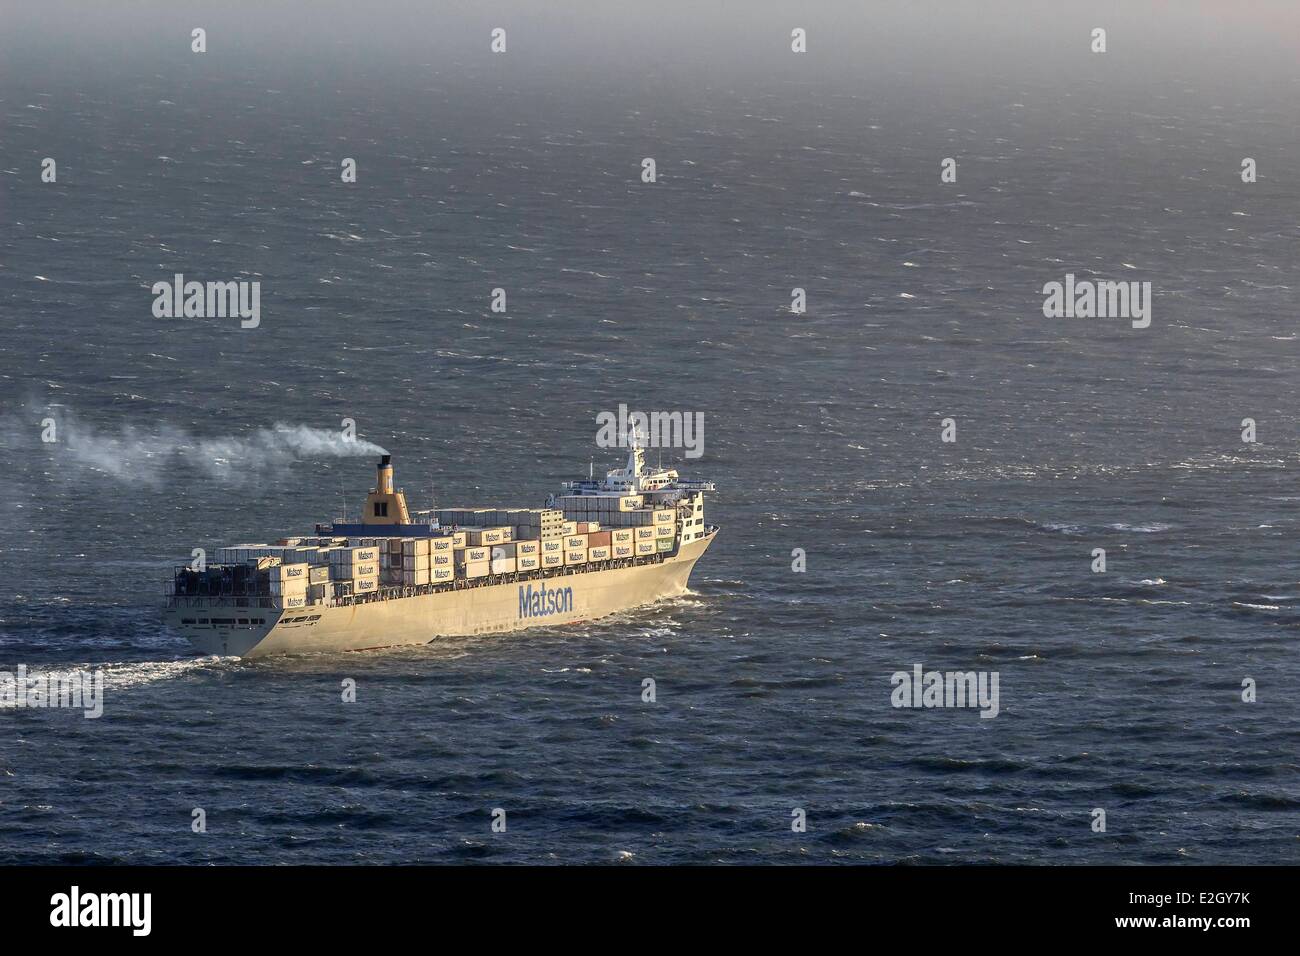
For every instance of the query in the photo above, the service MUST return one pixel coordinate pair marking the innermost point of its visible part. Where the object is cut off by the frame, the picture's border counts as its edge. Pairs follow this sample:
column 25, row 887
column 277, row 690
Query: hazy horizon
column 1244, row 47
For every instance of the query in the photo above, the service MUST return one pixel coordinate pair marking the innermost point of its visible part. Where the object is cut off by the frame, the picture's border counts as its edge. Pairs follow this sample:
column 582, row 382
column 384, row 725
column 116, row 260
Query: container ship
column 599, row 547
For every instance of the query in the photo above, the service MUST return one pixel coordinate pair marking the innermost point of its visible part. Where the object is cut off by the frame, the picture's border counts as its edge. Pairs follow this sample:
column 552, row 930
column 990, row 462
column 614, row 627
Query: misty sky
column 1250, row 47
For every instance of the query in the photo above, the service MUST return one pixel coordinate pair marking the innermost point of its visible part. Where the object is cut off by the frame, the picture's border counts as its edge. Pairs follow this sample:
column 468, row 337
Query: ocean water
column 1120, row 690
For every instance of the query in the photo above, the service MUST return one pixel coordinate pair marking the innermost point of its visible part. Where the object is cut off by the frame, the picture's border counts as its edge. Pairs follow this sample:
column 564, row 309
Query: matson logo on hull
column 544, row 601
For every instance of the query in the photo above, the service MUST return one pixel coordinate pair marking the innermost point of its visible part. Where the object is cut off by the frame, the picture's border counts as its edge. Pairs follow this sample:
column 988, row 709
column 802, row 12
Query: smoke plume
column 152, row 456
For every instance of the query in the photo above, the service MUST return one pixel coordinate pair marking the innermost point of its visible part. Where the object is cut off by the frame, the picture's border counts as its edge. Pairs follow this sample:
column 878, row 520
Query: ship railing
column 201, row 601
column 691, row 484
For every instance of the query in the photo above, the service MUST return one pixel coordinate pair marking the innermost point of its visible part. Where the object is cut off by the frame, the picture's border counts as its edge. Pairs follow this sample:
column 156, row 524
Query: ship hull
column 508, row 607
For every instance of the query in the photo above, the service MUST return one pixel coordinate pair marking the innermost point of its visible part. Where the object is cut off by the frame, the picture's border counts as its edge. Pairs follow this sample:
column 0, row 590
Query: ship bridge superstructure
column 625, row 494
column 635, row 479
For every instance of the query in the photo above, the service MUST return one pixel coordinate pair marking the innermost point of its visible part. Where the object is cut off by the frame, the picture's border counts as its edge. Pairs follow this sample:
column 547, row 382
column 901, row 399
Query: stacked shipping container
column 296, row 572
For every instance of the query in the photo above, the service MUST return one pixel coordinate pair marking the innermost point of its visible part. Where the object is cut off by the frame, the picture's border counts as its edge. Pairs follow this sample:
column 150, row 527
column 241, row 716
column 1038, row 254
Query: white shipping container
column 354, row 555
column 363, row 585
column 440, row 559
column 575, row 556
column 527, row 562
column 489, row 536
column 418, row 547
column 440, row 545
column 620, row 536
column 415, row 578
column 474, row 569
column 553, row 546
column 553, row 559
column 645, row 533
column 416, row 562
column 290, row 572
column 503, row 565
column 515, row 549
column 472, row 555
column 598, row 554
column 290, row 600
column 645, row 547
column 623, row 550
column 441, row 574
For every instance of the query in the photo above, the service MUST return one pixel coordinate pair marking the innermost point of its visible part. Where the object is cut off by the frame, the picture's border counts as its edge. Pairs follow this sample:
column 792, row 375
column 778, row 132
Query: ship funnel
column 385, row 504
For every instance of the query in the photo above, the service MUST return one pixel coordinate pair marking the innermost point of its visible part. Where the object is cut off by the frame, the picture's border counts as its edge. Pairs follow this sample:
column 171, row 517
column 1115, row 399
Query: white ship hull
column 515, row 605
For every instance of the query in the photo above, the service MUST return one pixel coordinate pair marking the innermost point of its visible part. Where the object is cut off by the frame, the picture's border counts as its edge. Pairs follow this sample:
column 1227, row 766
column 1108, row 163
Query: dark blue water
column 1119, row 691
